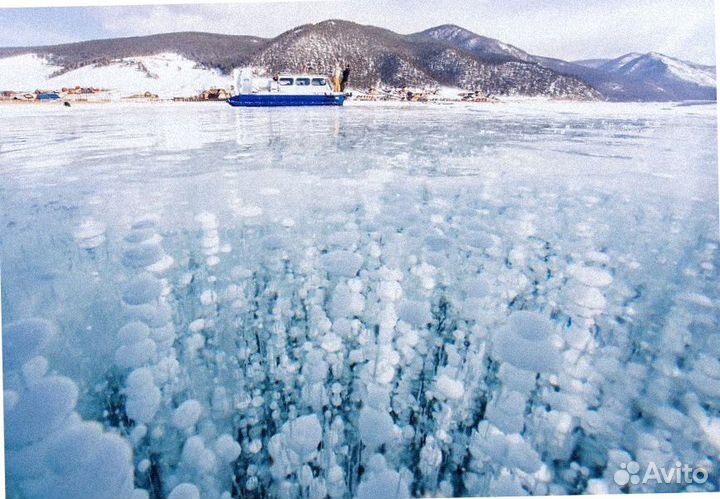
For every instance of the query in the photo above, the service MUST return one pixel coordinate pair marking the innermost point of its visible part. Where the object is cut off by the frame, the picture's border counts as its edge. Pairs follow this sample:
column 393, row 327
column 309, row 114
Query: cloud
column 616, row 27
column 19, row 36
column 129, row 21
column 567, row 29
column 260, row 18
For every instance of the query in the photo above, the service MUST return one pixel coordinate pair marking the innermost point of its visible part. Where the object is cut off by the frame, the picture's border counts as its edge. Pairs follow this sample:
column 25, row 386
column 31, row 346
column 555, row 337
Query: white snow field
column 166, row 74
column 363, row 302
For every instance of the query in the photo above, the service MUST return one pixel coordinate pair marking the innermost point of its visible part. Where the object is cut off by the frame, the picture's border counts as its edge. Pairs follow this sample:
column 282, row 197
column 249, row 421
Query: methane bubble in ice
column 526, row 342
column 24, row 339
column 420, row 301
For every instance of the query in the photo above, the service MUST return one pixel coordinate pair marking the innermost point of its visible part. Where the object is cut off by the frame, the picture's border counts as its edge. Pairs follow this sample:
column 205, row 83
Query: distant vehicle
column 48, row 96
column 285, row 89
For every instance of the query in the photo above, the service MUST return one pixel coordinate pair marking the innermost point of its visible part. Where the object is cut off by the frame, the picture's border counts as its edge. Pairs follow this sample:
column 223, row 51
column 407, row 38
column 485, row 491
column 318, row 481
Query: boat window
column 285, row 82
column 318, row 82
column 302, row 82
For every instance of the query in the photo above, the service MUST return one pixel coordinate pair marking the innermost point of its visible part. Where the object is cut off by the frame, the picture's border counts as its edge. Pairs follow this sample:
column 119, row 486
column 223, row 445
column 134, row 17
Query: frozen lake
column 370, row 301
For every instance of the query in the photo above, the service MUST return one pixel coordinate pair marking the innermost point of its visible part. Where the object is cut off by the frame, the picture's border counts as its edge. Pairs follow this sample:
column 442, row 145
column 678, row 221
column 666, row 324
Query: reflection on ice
column 259, row 127
column 360, row 302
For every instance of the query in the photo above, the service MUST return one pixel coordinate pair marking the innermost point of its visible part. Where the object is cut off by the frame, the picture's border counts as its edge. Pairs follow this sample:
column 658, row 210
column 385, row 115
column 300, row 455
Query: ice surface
column 357, row 302
column 89, row 234
column 141, row 290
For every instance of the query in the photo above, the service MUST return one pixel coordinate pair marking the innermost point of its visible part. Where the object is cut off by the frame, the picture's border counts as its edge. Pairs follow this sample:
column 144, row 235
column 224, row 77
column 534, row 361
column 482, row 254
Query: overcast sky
column 568, row 29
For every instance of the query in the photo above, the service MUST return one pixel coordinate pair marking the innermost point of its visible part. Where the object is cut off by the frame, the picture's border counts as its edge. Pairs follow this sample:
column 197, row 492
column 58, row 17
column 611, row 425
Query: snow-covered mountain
column 485, row 47
column 652, row 76
column 612, row 65
column 207, row 49
column 165, row 74
column 180, row 64
column 661, row 68
column 591, row 63
column 379, row 55
column 660, row 77
column 376, row 55
column 633, row 76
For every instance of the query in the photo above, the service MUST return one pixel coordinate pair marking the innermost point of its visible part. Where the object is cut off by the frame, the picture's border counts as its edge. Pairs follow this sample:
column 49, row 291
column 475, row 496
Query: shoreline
column 353, row 102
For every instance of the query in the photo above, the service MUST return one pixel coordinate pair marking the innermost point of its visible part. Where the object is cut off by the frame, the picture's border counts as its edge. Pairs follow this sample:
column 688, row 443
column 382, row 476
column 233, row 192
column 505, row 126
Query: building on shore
column 213, row 94
column 47, row 96
column 78, row 90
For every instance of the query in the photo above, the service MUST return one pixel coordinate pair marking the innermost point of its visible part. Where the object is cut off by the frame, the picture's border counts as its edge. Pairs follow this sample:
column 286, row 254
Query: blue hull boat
column 284, row 90
column 277, row 99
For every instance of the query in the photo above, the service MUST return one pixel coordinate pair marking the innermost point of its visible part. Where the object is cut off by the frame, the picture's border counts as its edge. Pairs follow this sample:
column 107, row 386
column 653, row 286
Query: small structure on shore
column 477, row 96
column 212, row 94
column 144, row 95
column 47, row 96
column 78, row 90
column 215, row 94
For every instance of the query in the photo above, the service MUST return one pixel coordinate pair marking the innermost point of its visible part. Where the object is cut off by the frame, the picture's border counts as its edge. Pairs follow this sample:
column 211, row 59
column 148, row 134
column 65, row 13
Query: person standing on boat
column 345, row 78
column 337, row 74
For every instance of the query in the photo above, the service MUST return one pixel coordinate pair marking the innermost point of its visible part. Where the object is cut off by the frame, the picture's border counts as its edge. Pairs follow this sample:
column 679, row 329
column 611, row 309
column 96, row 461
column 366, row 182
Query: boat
column 285, row 89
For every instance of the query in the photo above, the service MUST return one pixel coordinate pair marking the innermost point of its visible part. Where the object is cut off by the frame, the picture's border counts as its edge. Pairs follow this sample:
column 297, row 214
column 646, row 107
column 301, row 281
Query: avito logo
column 629, row 473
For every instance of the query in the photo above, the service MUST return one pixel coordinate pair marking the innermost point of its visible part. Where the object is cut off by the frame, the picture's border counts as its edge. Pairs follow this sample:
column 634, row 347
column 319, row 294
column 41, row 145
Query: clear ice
column 423, row 301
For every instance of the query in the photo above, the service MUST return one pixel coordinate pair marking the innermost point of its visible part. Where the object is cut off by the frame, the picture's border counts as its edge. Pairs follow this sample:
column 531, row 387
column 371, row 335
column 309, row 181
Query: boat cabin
column 284, row 83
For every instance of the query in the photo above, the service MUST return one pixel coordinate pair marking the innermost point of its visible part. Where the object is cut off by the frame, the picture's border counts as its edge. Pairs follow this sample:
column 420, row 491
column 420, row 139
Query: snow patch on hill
column 617, row 64
column 654, row 65
column 476, row 43
column 165, row 74
column 24, row 72
column 693, row 73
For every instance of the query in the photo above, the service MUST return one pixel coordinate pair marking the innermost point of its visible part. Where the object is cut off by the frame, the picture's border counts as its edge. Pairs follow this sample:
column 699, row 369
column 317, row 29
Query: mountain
column 486, row 48
column 632, row 77
column 379, row 55
column 666, row 73
column 612, row 87
column 376, row 55
column 591, row 63
column 446, row 55
column 612, row 65
column 650, row 76
column 207, row 49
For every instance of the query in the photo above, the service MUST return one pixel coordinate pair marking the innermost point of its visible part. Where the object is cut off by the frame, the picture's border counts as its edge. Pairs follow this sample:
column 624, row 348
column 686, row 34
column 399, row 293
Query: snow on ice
column 357, row 303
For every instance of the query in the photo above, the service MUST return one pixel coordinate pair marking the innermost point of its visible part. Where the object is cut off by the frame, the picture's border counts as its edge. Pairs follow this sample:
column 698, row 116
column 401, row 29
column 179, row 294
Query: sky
column 567, row 29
